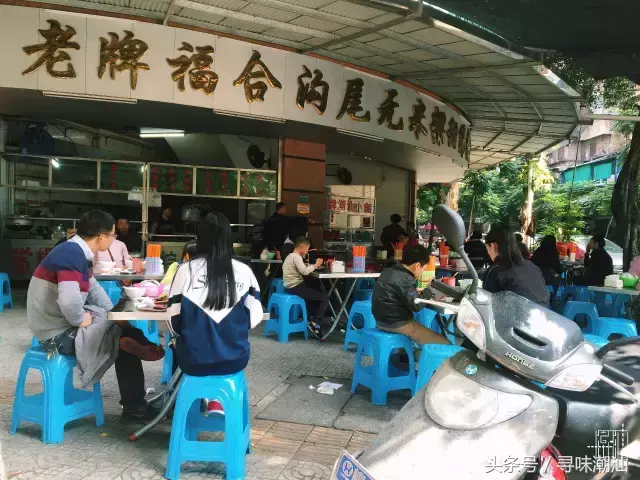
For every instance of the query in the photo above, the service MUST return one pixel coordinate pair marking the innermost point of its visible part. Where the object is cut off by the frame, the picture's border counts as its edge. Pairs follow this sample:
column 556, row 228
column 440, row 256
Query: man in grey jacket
column 63, row 286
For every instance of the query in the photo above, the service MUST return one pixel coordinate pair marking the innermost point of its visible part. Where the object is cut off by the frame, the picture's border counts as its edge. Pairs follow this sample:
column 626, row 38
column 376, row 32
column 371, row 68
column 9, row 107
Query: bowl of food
column 152, row 288
column 134, row 292
column 271, row 255
column 104, row 266
column 629, row 280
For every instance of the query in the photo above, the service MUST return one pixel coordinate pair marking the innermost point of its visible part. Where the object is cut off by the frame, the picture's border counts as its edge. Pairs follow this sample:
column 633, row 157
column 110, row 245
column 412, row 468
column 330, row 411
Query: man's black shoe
column 142, row 414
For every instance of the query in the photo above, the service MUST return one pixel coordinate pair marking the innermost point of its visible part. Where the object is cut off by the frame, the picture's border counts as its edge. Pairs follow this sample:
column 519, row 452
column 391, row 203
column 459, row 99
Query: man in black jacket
column 598, row 263
column 394, row 294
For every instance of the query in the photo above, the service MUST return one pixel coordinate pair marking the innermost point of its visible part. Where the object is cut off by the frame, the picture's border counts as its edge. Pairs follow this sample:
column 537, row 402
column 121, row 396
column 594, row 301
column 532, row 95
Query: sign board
column 303, row 208
column 348, row 468
column 89, row 56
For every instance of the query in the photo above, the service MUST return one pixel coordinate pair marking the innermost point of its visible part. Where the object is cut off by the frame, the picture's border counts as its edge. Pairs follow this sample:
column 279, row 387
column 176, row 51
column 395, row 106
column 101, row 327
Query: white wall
column 392, row 186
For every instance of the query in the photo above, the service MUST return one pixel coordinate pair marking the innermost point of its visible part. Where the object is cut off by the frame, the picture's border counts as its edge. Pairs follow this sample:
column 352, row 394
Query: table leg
column 168, row 397
column 343, row 308
column 333, row 283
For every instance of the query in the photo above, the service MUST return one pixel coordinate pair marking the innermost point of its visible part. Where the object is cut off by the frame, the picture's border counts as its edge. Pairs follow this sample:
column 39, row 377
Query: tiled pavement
column 281, row 450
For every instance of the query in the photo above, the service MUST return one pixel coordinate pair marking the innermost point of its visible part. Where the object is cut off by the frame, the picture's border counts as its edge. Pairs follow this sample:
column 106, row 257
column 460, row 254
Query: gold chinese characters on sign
column 201, row 77
column 352, row 102
column 438, row 122
column 254, row 88
column 56, row 39
column 308, row 92
column 122, row 55
column 387, row 109
column 415, row 121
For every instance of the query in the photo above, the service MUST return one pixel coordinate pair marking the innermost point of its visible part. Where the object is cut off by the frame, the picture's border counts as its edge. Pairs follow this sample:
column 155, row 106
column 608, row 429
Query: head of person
column 97, row 229
column 281, row 208
column 167, row 213
column 597, row 241
column 414, row 259
column 501, row 245
column 476, row 235
column 548, row 244
column 302, row 245
column 189, row 250
column 403, row 238
column 395, row 218
column 519, row 237
column 122, row 225
column 215, row 245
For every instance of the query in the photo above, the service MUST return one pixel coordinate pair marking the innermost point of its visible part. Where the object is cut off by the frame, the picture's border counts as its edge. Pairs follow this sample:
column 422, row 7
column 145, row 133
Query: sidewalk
column 282, row 450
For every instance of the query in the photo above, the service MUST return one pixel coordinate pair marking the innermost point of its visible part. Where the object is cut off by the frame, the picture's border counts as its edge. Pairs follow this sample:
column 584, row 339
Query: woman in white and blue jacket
column 212, row 304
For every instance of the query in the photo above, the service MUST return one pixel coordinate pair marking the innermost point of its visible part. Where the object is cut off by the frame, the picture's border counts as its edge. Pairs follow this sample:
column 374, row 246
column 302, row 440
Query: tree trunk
column 624, row 203
column 454, row 194
column 473, row 203
column 526, row 213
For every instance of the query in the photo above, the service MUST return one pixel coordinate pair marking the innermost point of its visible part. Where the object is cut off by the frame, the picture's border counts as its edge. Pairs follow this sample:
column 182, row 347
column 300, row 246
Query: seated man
column 394, row 294
column 597, row 262
column 60, row 289
column 296, row 279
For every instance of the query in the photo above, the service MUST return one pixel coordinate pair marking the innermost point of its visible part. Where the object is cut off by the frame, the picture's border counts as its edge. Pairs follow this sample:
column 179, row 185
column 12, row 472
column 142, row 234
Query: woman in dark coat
column 547, row 259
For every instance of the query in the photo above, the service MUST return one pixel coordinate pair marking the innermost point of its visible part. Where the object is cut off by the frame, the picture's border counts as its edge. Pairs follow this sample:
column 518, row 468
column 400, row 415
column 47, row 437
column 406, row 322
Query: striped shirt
column 294, row 269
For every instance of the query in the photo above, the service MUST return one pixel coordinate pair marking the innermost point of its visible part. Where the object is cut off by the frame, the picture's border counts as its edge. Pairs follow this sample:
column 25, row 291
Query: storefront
column 219, row 94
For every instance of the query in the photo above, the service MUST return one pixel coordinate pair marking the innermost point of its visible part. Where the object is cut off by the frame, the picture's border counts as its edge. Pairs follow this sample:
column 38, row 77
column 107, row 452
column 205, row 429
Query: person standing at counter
column 276, row 228
column 390, row 234
column 133, row 241
column 166, row 225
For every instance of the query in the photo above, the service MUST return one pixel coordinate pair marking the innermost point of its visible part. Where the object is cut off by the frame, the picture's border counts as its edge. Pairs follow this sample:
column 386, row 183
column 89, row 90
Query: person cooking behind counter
column 164, row 226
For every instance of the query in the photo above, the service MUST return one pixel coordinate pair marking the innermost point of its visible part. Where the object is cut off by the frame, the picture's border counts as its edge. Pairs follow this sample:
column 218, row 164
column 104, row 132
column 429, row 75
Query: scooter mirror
column 450, row 225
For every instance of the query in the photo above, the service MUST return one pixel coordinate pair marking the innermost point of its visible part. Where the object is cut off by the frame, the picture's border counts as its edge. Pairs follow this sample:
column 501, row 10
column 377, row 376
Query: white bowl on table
column 134, row 292
column 104, row 266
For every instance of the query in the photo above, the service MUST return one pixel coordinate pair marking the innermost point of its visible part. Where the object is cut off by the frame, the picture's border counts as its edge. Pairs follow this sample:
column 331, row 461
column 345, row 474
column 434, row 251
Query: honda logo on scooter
column 520, row 360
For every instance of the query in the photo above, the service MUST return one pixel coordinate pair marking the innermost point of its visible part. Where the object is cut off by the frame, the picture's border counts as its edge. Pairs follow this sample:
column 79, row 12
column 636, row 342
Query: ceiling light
column 55, row 163
column 249, row 116
column 426, row 150
column 161, row 134
column 81, row 96
column 361, row 135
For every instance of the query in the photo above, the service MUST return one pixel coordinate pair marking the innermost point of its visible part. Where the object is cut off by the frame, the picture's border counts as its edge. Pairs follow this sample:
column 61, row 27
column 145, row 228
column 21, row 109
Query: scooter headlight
column 454, row 400
column 576, row 377
column 471, row 324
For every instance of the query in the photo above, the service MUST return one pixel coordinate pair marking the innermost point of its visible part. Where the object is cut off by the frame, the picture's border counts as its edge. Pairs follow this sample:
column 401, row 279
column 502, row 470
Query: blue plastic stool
column 604, row 303
column 605, row 327
column 551, row 290
column 577, row 294
column 425, row 317
column 365, row 283
column 232, row 392
column 34, row 342
column 276, row 286
column 431, row 357
column 381, row 377
column 149, row 328
column 284, row 310
column 360, row 295
column 112, row 289
column 167, row 362
column 6, row 300
column 573, row 309
column 596, row 340
column 557, row 302
column 360, row 317
column 59, row 403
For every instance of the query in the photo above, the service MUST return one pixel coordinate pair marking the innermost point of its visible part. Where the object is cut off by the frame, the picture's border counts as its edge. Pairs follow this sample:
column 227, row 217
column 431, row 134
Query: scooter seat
column 601, row 407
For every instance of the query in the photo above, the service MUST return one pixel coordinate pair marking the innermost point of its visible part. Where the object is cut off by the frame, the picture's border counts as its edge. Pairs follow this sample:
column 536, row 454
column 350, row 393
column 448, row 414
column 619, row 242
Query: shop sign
column 337, row 204
column 303, row 205
column 89, row 55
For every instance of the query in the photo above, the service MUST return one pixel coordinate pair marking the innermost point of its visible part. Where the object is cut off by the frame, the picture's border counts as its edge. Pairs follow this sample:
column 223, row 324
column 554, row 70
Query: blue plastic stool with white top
column 6, row 300
column 59, row 402
column 381, row 377
column 360, row 317
column 285, row 311
column 231, row 391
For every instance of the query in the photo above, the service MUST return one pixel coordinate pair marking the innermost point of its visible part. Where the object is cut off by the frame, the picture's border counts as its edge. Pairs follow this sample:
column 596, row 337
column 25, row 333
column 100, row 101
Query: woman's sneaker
column 214, row 408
